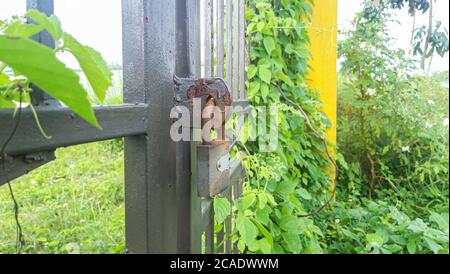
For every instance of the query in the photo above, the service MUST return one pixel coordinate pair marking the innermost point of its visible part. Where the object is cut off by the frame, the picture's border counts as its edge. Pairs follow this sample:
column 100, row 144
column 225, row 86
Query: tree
column 426, row 40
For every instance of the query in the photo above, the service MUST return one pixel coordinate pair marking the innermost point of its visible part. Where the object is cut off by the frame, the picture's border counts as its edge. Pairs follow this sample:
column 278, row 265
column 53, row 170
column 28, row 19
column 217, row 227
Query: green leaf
column 262, row 200
column 271, row 199
column 247, row 229
column 260, row 26
column 374, row 239
column 93, row 65
column 289, row 223
column 411, row 246
column 251, row 71
column 222, row 209
column 4, row 79
column 57, row 23
column 269, row 44
column 292, row 242
column 304, row 194
column 265, row 74
column 253, row 246
column 4, row 103
column 51, row 24
column 418, row 226
column 313, row 247
column 241, row 246
column 265, row 246
column 264, row 91
column 21, row 29
column 432, row 245
column 285, row 78
column 247, row 201
column 254, row 89
column 289, row 49
column 263, row 231
column 440, row 220
column 286, row 187
column 263, row 215
column 40, row 65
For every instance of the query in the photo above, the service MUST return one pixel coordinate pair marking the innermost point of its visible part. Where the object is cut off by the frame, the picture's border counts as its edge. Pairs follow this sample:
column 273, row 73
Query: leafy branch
column 31, row 62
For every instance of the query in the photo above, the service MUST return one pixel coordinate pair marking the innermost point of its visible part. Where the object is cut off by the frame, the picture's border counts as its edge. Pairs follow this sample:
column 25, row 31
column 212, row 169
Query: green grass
column 72, row 205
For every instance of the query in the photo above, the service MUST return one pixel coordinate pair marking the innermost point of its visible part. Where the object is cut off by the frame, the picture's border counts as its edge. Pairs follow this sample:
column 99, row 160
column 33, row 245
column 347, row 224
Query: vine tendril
column 20, row 242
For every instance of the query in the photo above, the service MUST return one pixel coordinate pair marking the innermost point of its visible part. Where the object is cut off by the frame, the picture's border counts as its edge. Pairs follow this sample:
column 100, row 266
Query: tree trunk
column 427, row 40
column 414, row 25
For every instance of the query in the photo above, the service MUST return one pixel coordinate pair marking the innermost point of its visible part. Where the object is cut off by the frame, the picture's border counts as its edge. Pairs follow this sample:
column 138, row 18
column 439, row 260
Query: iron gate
column 161, row 40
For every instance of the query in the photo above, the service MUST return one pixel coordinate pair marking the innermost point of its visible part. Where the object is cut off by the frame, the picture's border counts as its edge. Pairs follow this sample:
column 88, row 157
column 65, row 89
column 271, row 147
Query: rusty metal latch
column 213, row 156
column 221, row 97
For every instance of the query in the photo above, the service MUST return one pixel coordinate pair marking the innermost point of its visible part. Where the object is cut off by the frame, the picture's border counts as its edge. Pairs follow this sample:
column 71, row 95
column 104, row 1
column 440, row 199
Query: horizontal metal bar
column 67, row 129
column 18, row 166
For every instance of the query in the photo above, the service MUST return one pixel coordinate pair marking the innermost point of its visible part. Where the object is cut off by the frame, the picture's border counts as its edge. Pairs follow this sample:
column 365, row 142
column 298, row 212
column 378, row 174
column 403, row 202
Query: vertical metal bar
column 235, row 27
column 209, row 230
column 136, row 219
column 229, row 45
column 220, row 39
column 183, row 148
column 220, row 28
column 149, row 37
column 47, row 7
column 208, row 54
column 209, row 72
column 194, row 230
column 242, row 29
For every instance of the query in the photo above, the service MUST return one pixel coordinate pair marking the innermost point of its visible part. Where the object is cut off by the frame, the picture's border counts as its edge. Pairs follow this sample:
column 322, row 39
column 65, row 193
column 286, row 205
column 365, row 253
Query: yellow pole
column 323, row 75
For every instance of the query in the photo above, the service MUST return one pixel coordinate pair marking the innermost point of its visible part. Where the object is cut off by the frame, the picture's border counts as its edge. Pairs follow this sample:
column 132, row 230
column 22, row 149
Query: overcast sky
column 98, row 23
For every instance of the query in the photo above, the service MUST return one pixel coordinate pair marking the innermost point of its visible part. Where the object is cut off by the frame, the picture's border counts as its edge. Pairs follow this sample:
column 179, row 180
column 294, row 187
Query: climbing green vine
column 290, row 182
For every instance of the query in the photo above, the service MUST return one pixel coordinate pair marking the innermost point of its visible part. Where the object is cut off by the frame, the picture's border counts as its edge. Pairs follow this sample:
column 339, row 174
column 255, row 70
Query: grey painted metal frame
column 67, row 129
column 18, row 166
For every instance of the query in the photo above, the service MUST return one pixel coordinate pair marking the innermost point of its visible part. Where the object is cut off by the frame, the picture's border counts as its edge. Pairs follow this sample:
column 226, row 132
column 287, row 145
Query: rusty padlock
column 213, row 156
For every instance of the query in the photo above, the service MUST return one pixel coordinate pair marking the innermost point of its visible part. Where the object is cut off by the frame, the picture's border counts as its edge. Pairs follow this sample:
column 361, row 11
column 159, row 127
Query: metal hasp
column 213, row 169
column 213, row 157
column 220, row 94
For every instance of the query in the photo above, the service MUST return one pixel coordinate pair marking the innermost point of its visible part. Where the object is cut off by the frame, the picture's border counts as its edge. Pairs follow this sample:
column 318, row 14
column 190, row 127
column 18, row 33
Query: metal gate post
column 188, row 64
column 155, row 49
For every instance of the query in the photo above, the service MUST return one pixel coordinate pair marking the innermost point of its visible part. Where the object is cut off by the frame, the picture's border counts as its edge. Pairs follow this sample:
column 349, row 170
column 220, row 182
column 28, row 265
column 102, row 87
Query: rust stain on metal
column 214, row 98
column 201, row 89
